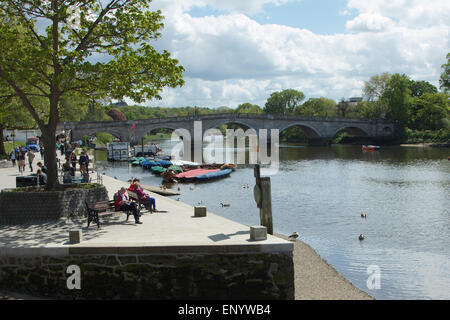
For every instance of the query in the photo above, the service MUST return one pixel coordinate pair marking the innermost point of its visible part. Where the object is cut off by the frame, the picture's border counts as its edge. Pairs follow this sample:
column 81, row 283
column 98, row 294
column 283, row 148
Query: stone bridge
column 317, row 129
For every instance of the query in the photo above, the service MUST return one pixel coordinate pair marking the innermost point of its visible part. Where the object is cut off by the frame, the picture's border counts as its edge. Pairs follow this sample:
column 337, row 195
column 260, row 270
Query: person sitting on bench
column 148, row 201
column 123, row 204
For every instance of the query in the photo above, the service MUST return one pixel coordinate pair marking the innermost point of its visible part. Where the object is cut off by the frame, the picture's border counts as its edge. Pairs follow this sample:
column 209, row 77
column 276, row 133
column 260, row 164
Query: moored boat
column 213, row 175
column 370, row 147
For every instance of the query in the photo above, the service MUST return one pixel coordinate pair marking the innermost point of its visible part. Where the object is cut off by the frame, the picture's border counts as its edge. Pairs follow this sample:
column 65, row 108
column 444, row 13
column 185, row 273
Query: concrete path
column 314, row 277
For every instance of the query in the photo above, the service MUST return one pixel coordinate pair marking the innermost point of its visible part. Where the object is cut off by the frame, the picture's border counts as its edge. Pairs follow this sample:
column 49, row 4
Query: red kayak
column 370, row 148
column 193, row 173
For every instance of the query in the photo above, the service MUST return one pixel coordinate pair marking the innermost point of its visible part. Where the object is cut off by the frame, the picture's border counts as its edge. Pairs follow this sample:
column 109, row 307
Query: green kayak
column 176, row 169
column 136, row 163
column 158, row 169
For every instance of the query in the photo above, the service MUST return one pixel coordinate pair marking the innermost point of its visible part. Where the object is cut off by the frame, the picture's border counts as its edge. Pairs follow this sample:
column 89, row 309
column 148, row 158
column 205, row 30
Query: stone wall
column 155, row 276
column 23, row 207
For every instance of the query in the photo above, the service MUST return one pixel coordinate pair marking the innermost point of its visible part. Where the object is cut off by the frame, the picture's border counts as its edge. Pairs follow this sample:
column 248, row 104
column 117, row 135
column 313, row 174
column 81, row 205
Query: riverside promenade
column 174, row 232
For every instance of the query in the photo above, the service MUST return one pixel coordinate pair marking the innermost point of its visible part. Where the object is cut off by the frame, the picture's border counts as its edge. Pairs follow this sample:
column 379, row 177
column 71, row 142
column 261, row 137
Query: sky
column 238, row 51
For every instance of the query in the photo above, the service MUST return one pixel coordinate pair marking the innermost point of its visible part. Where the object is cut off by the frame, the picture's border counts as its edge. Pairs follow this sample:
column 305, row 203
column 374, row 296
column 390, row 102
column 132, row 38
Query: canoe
column 370, row 148
column 175, row 169
column 161, row 191
column 191, row 174
column 158, row 169
column 213, row 175
column 164, row 163
column 150, row 163
column 185, row 163
column 136, row 163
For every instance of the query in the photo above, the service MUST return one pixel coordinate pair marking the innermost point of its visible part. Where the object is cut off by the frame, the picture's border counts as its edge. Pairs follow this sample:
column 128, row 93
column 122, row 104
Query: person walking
column 21, row 160
column 73, row 161
column 12, row 156
column 30, row 156
column 84, row 163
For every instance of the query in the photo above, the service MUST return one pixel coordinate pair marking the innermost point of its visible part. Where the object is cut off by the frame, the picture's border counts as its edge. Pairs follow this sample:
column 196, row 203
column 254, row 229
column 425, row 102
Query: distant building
column 353, row 101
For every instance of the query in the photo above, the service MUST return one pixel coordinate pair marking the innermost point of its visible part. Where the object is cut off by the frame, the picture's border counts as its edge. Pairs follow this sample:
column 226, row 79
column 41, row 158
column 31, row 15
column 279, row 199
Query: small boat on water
column 191, row 174
column 184, row 163
column 213, row 175
column 370, row 148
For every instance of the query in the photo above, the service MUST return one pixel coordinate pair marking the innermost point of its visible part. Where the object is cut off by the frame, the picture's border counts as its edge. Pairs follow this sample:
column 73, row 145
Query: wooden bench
column 101, row 209
column 134, row 197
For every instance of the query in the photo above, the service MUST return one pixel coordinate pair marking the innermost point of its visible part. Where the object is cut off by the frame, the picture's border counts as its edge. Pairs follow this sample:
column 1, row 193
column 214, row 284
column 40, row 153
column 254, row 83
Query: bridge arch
column 215, row 124
column 353, row 130
column 80, row 133
column 142, row 131
column 309, row 131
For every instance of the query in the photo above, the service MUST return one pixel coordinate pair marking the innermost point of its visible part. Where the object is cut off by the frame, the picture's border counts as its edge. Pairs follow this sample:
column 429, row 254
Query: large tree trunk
column 49, row 141
column 2, row 145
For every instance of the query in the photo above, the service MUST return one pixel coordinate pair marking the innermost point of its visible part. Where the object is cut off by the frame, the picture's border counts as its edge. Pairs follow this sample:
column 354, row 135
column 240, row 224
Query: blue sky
column 318, row 16
column 238, row 51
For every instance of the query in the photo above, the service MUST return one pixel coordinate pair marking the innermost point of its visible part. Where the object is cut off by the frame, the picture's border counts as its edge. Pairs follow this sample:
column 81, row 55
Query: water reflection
column 321, row 193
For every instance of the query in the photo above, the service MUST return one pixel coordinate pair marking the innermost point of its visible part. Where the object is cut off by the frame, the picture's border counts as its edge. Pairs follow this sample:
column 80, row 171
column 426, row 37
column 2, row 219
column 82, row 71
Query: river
column 321, row 192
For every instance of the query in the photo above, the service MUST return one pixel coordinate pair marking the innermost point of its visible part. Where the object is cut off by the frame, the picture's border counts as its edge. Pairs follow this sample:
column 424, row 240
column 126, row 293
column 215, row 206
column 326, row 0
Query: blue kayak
column 162, row 157
column 150, row 163
column 165, row 163
column 213, row 175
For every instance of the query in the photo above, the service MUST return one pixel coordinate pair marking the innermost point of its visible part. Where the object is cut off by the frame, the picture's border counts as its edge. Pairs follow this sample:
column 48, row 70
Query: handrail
column 233, row 115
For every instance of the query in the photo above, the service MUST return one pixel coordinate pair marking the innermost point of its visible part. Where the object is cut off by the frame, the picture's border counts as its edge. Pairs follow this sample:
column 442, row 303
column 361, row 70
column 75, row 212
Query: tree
column 444, row 82
column 317, row 107
column 284, row 102
column 418, row 88
column 95, row 48
column 431, row 110
column 13, row 116
column 249, row 108
column 397, row 96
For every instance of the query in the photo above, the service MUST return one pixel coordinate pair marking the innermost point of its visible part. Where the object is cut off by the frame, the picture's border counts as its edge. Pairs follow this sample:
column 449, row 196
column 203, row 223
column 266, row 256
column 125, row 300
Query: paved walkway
column 314, row 277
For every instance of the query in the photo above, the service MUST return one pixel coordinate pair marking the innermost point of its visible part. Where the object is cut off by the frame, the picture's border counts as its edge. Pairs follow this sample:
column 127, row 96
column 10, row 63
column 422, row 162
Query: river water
column 320, row 192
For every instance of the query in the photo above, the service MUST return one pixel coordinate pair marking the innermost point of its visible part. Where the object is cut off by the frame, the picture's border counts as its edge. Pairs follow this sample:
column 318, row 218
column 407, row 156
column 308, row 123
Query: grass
column 9, row 145
column 62, row 187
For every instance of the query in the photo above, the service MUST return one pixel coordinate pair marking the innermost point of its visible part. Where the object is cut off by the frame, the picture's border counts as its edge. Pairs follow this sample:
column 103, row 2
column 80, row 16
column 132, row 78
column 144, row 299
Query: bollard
column 258, row 233
column 200, row 211
column 75, row 236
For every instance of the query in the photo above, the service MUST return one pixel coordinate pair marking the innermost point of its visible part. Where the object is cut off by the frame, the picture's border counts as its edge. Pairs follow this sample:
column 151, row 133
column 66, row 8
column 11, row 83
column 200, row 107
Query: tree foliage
column 284, row 102
column 96, row 48
column 397, row 96
column 375, row 87
column 317, row 107
column 444, row 81
column 249, row 108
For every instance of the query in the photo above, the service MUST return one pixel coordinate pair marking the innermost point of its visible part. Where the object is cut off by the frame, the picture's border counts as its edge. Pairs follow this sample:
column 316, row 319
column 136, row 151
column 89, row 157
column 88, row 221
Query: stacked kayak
column 153, row 163
column 137, row 161
column 213, row 175
column 191, row 174
column 185, row 163
column 175, row 169
column 158, row 169
column 203, row 174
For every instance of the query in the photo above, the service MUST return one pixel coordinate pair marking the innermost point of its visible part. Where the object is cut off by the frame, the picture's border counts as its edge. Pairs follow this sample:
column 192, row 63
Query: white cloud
column 369, row 22
column 232, row 59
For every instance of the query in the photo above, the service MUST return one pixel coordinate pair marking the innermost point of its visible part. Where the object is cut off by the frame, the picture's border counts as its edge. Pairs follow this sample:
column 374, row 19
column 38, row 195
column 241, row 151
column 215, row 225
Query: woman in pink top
column 149, row 202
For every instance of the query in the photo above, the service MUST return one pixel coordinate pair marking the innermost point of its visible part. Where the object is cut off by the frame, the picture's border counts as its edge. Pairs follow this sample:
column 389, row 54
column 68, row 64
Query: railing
column 238, row 116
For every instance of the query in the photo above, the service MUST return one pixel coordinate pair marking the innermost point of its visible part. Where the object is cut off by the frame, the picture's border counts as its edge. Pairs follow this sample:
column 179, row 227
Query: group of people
column 122, row 202
column 20, row 154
